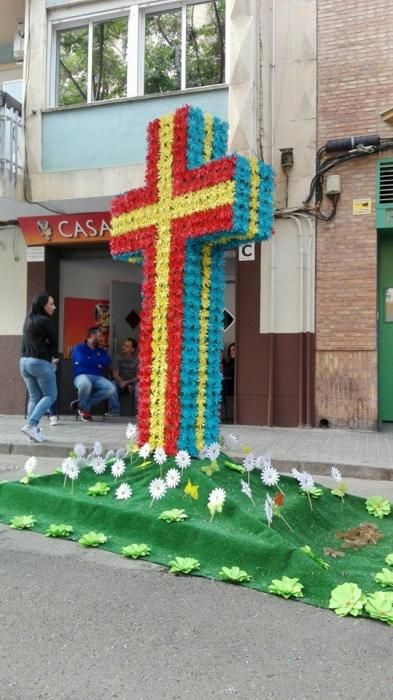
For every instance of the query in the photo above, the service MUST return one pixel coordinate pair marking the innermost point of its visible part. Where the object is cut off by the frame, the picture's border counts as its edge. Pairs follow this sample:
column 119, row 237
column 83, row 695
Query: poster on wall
column 79, row 315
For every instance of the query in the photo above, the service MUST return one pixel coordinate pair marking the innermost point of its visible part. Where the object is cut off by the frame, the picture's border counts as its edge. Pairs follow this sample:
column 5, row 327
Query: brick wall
column 355, row 68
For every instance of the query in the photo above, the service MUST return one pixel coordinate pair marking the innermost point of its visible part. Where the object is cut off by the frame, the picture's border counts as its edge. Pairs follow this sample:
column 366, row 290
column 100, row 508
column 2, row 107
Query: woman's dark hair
column 37, row 309
column 230, row 346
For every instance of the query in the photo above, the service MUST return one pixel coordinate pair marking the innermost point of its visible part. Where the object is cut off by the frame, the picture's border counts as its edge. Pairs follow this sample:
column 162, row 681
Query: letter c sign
column 247, row 251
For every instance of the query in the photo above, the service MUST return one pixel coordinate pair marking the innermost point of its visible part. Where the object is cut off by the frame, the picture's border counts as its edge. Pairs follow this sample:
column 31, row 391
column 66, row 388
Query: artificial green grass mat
column 239, row 536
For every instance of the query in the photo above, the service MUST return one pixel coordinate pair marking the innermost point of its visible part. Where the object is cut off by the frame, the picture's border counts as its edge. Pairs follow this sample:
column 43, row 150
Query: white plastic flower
column 72, row 470
column 98, row 465
column 217, row 498
column 145, row 450
column 159, row 456
column 97, row 449
column 157, row 489
column 30, row 465
column 66, row 464
column 266, row 461
column 79, row 450
column 120, row 453
column 213, row 451
column 270, row 476
column 110, row 454
column 123, row 492
column 306, row 481
column 131, row 432
column 249, row 462
column 295, row 473
column 232, row 440
column 172, row 478
column 258, row 462
column 246, row 489
column 269, row 509
column 183, row 459
column 336, row 474
column 118, row 468
column 203, row 453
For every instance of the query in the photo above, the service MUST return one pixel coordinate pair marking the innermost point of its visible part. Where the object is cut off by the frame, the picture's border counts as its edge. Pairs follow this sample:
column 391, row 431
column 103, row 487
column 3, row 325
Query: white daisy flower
column 72, row 470
column 269, row 509
column 65, row 465
column 131, row 432
column 159, row 456
column 123, row 492
column 295, row 473
column 157, row 489
column 266, row 461
column 306, row 481
column 145, row 450
column 203, row 453
column 336, row 474
column 79, row 450
column 118, row 468
column 120, row 453
column 213, row 451
column 258, row 462
column 217, row 497
column 97, row 449
column 183, row 459
column 232, row 440
column 249, row 462
column 270, row 476
column 246, row 489
column 172, row 478
column 30, row 465
column 110, row 454
column 98, row 464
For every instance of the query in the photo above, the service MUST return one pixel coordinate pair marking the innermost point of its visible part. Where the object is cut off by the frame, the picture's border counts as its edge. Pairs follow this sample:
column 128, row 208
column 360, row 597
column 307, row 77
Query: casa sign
column 67, row 228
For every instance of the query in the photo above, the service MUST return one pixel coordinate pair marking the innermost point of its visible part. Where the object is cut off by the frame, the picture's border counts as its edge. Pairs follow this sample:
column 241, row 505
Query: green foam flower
column 60, row 530
column 307, row 550
column 93, row 539
column 176, row 515
column 378, row 506
column 99, row 489
column 27, row 479
column 134, row 551
column 234, row 574
column 183, row 565
column 340, row 489
column 287, row 587
column 389, row 559
column 22, row 522
column 385, row 578
column 379, row 605
column 315, row 492
column 347, row 599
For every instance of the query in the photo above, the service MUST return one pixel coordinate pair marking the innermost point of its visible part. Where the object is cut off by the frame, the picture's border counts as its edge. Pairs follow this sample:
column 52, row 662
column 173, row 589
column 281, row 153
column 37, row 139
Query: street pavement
column 90, row 625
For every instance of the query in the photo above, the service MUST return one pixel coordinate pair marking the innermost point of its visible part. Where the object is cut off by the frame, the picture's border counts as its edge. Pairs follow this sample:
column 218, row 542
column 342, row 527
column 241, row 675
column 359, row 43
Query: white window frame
column 63, row 18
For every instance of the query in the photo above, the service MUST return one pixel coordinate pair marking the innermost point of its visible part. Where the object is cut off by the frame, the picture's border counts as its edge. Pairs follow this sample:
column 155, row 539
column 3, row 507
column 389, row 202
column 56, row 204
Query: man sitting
column 89, row 363
column 125, row 376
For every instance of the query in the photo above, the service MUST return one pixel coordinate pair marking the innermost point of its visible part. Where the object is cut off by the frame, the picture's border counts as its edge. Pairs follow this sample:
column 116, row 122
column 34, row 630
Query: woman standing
column 37, row 364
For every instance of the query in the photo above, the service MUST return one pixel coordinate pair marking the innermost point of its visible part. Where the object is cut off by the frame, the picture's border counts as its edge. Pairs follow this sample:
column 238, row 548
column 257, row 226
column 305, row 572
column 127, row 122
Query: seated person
column 89, row 363
column 228, row 384
column 125, row 376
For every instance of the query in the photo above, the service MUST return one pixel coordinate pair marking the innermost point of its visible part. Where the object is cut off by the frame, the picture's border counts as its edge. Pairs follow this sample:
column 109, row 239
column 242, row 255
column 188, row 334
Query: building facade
column 289, row 76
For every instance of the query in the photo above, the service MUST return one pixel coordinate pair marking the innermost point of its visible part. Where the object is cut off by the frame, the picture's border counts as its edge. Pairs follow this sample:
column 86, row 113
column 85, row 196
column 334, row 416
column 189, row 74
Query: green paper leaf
column 287, row 587
column 59, row 530
column 234, row 574
column 307, row 550
column 22, row 522
column 93, row 539
column 347, row 599
column 183, row 565
column 385, row 578
column 379, row 605
column 99, row 489
column 315, row 492
column 378, row 506
column 175, row 515
column 389, row 559
column 211, row 468
column 26, row 479
column 235, row 467
column 134, row 551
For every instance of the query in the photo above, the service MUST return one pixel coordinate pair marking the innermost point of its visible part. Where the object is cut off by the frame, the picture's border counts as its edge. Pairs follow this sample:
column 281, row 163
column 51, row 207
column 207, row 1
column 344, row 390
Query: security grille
column 386, row 182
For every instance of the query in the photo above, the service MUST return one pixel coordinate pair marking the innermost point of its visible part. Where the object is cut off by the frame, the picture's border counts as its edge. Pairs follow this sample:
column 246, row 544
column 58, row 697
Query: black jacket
column 39, row 338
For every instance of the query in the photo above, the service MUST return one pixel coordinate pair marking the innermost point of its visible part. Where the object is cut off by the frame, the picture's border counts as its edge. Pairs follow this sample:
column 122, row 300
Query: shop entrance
column 385, row 329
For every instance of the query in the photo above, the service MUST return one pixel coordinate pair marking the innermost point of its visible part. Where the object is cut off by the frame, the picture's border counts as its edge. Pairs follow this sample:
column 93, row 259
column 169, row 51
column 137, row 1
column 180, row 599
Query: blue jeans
column 92, row 389
column 40, row 379
column 114, row 400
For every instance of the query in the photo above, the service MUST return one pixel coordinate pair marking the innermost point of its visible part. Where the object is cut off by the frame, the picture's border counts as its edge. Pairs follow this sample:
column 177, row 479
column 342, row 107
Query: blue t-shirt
column 86, row 360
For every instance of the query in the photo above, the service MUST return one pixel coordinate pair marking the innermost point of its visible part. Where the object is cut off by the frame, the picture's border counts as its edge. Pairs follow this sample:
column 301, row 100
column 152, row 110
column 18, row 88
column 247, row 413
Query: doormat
column 214, row 523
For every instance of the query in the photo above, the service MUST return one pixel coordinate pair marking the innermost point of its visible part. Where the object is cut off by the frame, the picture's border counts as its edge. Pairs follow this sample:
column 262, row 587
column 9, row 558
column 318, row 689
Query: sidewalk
column 358, row 454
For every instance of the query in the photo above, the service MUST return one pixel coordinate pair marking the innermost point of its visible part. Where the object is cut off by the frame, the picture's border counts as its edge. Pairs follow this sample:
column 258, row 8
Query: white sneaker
column 53, row 420
column 34, row 433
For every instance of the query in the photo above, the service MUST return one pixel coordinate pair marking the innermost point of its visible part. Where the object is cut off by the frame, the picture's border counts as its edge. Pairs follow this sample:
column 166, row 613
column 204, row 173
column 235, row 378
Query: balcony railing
column 11, row 144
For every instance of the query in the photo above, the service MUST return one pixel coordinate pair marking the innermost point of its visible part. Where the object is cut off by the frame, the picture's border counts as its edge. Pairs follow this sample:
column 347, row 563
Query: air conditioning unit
column 19, row 40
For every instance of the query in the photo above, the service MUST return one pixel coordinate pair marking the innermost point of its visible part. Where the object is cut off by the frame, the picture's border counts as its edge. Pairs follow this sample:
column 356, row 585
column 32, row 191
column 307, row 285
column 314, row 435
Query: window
column 103, row 45
column 185, row 47
column 174, row 47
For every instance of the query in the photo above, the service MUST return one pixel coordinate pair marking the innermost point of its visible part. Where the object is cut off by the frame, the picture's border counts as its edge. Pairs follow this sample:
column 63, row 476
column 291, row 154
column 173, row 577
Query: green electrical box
column 384, row 195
